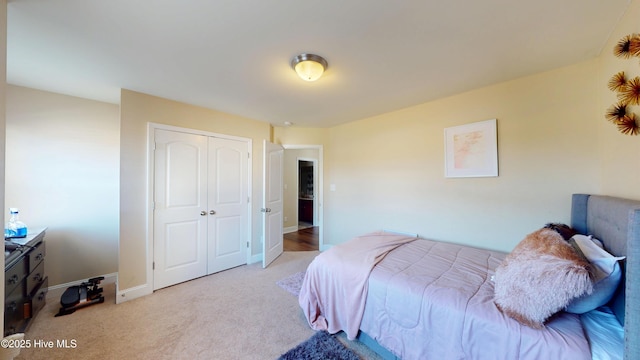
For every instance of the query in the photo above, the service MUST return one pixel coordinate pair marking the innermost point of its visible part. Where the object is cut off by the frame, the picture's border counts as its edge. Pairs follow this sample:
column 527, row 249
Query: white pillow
column 606, row 276
column 606, row 335
column 598, row 242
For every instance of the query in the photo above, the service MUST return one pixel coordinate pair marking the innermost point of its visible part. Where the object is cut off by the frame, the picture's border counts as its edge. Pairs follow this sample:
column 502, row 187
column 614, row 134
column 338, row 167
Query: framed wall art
column 471, row 150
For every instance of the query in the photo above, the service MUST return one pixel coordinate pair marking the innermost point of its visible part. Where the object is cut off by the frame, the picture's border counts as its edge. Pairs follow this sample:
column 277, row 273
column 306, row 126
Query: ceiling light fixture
column 309, row 66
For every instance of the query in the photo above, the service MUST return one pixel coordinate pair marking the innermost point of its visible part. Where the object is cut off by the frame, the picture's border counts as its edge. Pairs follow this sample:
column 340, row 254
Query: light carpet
column 236, row 314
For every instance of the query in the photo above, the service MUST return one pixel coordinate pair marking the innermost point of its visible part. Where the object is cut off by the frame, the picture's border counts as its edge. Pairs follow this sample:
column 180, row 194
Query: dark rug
column 321, row 346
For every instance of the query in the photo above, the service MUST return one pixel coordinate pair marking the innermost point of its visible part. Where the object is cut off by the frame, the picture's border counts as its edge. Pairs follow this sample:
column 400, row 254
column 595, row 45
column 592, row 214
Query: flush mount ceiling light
column 309, row 66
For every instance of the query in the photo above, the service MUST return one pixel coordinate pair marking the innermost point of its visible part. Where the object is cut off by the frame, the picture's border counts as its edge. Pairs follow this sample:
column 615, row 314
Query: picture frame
column 471, row 150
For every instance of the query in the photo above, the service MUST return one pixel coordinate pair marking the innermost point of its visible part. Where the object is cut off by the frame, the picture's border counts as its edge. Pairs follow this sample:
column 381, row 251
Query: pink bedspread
column 334, row 288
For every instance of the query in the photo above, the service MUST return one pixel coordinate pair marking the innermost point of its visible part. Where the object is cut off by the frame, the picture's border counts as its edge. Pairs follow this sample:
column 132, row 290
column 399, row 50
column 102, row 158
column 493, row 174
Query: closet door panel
column 228, row 203
column 180, row 198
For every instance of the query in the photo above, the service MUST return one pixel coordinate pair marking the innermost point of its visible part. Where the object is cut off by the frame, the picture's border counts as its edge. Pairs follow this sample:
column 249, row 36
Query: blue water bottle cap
column 13, row 210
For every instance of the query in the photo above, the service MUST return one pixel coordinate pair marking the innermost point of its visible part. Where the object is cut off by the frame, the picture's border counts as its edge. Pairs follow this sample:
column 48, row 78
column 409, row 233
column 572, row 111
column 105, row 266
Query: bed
column 412, row 298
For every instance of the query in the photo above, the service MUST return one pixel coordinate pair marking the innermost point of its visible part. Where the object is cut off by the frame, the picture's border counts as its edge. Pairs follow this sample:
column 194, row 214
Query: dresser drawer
column 35, row 277
column 14, row 311
column 38, row 297
column 36, row 256
column 13, row 277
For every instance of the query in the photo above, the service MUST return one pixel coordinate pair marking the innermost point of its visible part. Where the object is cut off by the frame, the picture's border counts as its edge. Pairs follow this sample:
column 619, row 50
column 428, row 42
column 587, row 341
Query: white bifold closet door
column 200, row 205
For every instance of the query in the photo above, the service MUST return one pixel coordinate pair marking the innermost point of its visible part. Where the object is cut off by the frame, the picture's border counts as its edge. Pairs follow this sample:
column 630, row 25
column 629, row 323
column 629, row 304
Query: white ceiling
column 234, row 55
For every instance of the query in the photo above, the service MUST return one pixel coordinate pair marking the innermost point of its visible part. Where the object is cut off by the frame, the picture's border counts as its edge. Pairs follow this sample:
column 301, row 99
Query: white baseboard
column 121, row 295
column 255, row 258
column 108, row 279
column 326, row 247
column 290, row 229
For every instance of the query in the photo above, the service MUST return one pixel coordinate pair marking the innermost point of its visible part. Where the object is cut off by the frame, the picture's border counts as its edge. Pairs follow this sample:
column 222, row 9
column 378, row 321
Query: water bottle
column 14, row 228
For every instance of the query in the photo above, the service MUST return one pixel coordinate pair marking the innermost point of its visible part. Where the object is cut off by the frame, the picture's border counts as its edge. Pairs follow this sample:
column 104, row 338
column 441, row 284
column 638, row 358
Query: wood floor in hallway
column 302, row 240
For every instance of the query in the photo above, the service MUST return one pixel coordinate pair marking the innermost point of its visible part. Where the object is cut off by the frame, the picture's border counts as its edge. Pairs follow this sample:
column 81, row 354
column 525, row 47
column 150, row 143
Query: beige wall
column 620, row 153
column 300, row 136
column 137, row 110
column 62, row 173
column 3, row 80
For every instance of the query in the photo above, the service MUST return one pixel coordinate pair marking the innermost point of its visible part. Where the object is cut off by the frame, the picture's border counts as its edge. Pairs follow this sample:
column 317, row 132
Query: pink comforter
column 427, row 300
column 434, row 300
column 334, row 289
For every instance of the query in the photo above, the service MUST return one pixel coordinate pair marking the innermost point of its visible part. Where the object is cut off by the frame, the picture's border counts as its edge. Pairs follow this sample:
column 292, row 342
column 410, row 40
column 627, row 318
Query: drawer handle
column 37, row 277
column 13, row 306
column 39, row 257
column 41, row 296
column 13, row 279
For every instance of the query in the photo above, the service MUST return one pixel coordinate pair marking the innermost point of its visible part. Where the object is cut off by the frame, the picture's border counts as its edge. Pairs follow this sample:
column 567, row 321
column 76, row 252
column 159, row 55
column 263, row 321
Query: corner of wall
column 3, row 77
column 124, row 295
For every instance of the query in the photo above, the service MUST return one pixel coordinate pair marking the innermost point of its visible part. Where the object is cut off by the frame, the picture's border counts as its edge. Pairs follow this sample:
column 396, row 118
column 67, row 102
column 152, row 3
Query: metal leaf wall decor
column 627, row 90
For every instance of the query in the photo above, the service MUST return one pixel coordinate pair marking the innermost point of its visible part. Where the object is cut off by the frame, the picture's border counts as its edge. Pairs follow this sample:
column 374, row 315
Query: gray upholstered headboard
column 616, row 222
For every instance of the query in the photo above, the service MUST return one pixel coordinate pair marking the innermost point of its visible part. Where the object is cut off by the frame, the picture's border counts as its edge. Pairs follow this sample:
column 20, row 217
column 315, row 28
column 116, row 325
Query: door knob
column 212, row 212
column 203, row 213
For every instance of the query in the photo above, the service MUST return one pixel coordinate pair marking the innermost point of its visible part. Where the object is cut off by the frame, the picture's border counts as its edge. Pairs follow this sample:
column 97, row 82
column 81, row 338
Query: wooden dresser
column 25, row 285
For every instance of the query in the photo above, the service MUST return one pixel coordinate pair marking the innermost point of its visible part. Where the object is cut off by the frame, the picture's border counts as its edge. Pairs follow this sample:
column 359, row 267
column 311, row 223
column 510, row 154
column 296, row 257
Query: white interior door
column 228, row 204
column 272, row 245
column 180, row 201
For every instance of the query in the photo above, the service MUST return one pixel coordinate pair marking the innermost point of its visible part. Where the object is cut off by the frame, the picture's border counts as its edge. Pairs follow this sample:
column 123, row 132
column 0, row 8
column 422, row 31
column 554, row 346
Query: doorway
column 306, row 191
column 303, row 216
